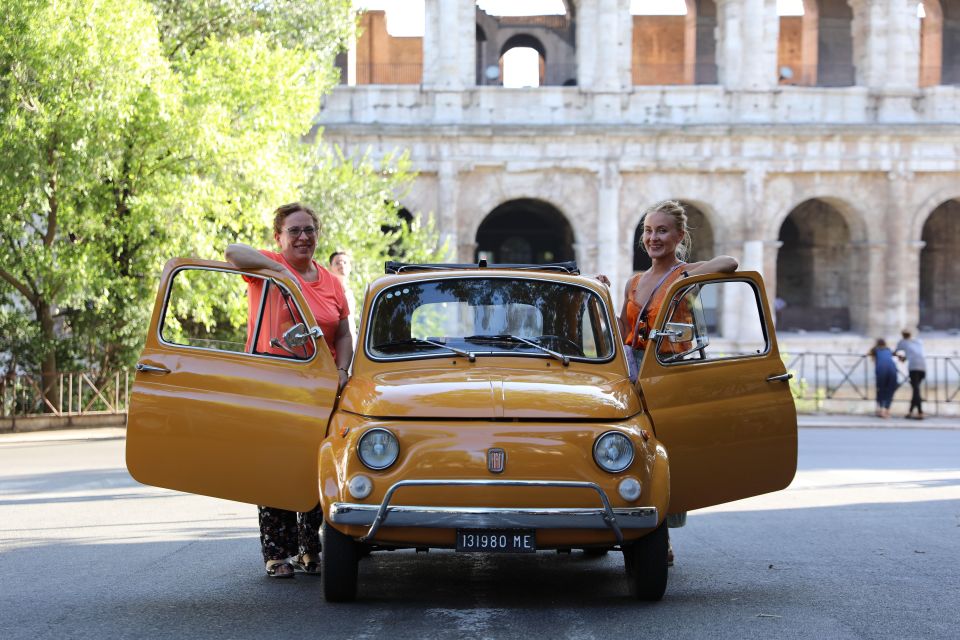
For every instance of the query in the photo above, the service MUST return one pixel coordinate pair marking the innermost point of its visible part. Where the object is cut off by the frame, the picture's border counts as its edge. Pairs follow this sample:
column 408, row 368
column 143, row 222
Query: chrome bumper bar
column 601, row 517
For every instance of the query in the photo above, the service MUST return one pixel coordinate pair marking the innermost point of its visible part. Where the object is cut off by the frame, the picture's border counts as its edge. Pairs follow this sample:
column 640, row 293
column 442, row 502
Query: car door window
column 713, row 321
column 234, row 312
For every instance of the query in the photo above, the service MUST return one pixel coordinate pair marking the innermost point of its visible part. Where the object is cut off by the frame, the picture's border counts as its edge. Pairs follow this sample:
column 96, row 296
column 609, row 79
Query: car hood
column 492, row 394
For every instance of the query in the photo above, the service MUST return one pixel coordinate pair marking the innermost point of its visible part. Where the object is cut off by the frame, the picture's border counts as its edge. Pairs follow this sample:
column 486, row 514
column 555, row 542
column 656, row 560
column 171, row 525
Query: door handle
column 783, row 377
column 149, row 368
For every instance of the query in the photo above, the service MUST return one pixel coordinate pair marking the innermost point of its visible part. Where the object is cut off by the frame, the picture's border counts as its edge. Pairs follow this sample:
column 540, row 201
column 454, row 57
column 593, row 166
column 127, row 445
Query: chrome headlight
column 378, row 449
column 613, row 451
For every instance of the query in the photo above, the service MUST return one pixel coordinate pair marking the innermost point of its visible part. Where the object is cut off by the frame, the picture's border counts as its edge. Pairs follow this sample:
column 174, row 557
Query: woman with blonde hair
column 666, row 239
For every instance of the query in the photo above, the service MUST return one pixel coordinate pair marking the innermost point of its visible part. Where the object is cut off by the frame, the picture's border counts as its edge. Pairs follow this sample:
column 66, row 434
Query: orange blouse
column 633, row 310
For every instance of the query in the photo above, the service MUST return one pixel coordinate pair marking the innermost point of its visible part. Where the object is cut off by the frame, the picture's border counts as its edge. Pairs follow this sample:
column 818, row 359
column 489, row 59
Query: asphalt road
column 864, row 544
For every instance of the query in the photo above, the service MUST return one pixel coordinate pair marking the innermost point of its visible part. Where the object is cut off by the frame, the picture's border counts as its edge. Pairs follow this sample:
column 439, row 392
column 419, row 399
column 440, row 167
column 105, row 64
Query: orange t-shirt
column 636, row 330
column 325, row 297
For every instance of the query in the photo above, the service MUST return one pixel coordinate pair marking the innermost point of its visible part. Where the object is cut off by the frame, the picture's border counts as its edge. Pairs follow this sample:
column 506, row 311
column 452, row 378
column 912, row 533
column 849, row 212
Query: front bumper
column 600, row 517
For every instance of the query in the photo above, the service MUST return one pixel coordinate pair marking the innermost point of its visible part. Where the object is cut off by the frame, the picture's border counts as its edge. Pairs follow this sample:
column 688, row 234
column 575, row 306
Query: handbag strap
column 642, row 316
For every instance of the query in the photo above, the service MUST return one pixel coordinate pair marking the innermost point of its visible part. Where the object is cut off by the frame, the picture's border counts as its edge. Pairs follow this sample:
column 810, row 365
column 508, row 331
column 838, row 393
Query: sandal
column 307, row 563
column 279, row 569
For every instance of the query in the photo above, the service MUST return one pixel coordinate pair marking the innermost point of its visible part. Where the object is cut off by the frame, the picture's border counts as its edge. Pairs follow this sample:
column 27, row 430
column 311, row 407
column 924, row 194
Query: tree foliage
column 132, row 132
column 358, row 202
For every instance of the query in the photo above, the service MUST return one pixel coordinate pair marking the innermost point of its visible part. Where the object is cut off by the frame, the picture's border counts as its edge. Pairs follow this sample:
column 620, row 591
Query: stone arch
column 835, row 66
column 525, row 230
column 525, row 41
column 822, row 269
column 950, row 69
column 552, row 36
column 931, row 43
column 939, row 301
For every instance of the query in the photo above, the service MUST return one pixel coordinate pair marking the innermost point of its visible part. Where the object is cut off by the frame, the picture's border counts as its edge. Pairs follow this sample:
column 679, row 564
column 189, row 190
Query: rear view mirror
column 296, row 336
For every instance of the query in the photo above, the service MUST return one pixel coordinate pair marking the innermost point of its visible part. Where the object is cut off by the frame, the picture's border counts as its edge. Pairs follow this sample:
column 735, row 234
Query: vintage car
column 490, row 409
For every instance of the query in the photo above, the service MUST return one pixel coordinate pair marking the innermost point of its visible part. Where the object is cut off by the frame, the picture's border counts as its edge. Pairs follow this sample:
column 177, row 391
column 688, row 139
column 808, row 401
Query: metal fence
column 73, row 394
column 838, row 380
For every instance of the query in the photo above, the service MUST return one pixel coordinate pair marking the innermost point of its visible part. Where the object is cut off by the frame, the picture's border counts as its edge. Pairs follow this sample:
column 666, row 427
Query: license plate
column 496, row 540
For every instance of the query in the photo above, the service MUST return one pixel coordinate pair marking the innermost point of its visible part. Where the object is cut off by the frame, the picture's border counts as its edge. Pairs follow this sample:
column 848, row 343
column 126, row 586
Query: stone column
column 886, row 43
column 608, row 226
column 448, row 215
column 748, row 31
column 449, row 55
column 604, row 38
column 899, row 299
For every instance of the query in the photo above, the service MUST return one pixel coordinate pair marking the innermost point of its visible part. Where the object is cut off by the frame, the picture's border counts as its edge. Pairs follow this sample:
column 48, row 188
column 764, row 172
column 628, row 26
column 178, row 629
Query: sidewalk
column 859, row 421
column 804, row 421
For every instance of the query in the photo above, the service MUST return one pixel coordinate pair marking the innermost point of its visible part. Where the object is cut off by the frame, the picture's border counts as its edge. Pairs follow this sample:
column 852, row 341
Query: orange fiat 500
column 490, row 410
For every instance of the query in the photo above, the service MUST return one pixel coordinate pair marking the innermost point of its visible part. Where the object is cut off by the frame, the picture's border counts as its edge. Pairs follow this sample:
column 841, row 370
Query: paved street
column 865, row 544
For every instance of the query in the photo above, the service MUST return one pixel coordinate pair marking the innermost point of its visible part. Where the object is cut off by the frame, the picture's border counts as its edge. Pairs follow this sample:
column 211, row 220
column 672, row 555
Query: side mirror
column 678, row 332
column 298, row 335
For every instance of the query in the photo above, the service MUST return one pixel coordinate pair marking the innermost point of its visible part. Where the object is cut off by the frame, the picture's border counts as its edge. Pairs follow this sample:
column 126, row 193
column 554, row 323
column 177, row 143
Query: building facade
column 822, row 150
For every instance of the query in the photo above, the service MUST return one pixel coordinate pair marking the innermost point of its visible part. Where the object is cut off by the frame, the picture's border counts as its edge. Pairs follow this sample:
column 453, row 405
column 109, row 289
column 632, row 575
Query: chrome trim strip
column 492, row 517
column 548, row 517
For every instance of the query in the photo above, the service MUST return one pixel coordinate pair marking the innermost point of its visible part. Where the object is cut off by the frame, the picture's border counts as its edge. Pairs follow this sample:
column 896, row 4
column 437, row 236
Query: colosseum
column 819, row 148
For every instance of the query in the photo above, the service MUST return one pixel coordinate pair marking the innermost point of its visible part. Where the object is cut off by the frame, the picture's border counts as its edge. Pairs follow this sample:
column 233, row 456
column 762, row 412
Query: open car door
column 718, row 393
column 233, row 390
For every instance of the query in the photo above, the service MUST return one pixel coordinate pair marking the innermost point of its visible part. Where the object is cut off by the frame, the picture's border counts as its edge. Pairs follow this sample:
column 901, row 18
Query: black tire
column 646, row 563
column 340, row 561
column 594, row 552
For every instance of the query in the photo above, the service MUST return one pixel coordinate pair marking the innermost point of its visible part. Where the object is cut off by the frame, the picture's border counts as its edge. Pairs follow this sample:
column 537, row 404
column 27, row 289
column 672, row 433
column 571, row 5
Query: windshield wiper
column 512, row 338
column 469, row 355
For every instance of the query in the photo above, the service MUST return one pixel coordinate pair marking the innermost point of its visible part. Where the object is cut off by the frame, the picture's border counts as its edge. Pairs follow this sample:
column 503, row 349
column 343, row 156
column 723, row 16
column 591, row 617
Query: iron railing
column 832, row 380
column 72, row 394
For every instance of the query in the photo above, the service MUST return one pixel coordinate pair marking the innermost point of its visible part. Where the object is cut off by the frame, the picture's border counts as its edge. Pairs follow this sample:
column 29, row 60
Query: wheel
column 646, row 563
column 594, row 552
column 340, row 559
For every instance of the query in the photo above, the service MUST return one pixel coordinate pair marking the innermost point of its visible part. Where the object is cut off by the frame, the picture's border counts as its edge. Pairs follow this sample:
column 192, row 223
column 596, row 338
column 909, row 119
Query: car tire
column 340, row 563
column 646, row 563
column 594, row 552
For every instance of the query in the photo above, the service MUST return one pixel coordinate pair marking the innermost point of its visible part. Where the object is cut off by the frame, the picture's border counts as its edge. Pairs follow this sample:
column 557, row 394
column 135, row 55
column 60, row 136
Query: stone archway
column 940, row 270
column 814, row 269
column 525, row 231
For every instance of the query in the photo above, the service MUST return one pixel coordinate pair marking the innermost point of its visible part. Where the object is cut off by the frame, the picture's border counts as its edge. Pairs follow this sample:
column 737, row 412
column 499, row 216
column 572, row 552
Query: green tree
column 357, row 200
column 131, row 132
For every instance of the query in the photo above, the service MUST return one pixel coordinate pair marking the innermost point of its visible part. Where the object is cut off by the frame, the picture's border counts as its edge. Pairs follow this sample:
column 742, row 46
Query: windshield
column 481, row 316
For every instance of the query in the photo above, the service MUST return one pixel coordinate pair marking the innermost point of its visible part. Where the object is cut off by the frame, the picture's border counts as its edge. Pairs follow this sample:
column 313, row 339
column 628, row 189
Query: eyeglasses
column 296, row 231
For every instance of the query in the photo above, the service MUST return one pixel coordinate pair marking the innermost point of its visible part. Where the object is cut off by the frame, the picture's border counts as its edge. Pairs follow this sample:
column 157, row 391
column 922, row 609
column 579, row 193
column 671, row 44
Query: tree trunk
column 48, row 363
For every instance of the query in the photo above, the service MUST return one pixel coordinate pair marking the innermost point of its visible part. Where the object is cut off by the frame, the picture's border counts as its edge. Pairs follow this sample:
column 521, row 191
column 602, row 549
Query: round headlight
column 613, row 451
column 378, row 449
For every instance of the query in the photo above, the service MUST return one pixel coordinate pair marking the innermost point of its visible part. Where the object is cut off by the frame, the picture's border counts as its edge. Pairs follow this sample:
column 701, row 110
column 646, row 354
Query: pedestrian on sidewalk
column 910, row 349
column 886, row 375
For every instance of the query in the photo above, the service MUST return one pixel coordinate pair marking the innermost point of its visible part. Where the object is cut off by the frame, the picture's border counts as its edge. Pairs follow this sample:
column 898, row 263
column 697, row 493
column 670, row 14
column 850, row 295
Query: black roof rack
column 393, row 267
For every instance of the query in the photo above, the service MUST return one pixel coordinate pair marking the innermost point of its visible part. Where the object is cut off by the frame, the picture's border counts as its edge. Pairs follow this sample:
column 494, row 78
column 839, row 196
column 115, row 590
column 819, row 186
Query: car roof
column 425, row 275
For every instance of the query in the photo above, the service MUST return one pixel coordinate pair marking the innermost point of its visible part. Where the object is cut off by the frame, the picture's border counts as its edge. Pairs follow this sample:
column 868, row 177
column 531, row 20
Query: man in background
column 910, row 349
